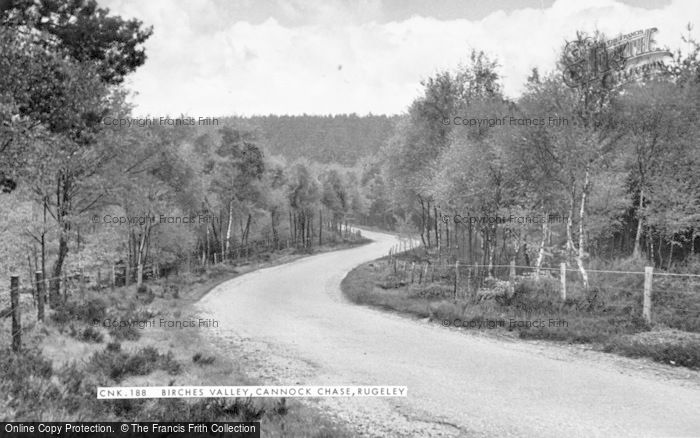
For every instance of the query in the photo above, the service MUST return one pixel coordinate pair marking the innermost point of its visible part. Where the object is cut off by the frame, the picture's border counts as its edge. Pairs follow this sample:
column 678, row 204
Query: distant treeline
column 341, row 139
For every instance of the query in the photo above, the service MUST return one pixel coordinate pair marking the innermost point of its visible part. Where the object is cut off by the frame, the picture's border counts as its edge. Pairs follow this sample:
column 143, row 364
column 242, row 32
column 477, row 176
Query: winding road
column 291, row 325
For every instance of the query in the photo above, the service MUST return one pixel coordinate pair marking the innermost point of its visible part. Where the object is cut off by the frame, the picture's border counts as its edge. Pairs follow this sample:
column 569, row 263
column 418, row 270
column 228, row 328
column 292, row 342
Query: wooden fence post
column 511, row 273
column 127, row 275
column 648, row 277
column 16, row 317
column 456, row 278
column 114, row 276
column 562, row 277
column 413, row 268
column 40, row 295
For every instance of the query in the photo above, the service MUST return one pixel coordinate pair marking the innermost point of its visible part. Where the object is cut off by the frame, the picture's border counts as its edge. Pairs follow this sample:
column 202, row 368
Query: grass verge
column 610, row 320
column 75, row 350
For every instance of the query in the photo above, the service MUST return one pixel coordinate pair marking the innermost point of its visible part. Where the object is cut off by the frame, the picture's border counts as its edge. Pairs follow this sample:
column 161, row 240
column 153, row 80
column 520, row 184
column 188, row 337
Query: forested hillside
column 619, row 161
column 85, row 183
column 342, row 139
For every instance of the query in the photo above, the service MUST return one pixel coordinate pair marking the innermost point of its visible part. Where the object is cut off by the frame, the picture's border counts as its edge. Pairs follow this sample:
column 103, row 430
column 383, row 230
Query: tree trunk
column 692, row 242
column 540, row 251
column 422, row 223
column 582, row 212
column 43, row 246
column 447, row 234
column 275, row 232
column 247, row 228
column 207, row 246
column 63, row 188
column 427, row 224
column 471, row 247
column 488, row 248
column 55, row 283
column 300, row 226
column 526, row 254
column 640, row 221
column 437, row 232
column 570, row 224
column 229, row 226
column 145, row 235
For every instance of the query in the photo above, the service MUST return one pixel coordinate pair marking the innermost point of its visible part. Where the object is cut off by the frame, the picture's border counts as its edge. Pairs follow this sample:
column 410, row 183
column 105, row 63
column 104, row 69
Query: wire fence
column 671, row 299
column 51, row 291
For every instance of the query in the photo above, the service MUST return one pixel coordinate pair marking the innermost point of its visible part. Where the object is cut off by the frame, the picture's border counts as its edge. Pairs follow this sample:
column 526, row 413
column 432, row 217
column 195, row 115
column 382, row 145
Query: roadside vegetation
column 64, row 360
column 608, row 316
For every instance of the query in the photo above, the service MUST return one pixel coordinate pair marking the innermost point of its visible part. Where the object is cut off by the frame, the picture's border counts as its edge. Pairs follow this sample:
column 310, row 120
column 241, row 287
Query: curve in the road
column 459, row 384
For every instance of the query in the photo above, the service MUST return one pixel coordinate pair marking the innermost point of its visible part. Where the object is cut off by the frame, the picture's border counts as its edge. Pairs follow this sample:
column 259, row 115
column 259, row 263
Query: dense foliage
column 77, row 192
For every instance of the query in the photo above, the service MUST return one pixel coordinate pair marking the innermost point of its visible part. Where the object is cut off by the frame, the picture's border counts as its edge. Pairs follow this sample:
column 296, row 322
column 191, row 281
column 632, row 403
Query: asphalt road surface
column 291, row 325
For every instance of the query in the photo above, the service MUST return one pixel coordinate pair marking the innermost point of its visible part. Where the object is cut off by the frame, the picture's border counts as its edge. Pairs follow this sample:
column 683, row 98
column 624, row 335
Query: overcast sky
column 225, row 57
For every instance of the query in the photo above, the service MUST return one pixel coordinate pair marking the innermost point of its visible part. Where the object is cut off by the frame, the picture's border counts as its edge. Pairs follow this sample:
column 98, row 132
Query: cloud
column 203, row 60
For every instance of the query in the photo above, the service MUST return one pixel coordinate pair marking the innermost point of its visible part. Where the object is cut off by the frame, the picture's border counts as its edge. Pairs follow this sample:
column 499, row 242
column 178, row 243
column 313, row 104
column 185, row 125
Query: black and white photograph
column 349, row 218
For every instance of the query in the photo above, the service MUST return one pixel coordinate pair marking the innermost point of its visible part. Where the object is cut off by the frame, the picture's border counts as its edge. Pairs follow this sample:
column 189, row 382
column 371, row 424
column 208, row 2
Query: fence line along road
column 463, row 275
column 136, row 273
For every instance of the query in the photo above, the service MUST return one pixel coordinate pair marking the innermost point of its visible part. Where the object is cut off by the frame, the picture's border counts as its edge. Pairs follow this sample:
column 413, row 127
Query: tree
column 61, row 58
column 86, row 32
column 303, row 194
column 653, row 116
column 239, row 170
column 424, row 133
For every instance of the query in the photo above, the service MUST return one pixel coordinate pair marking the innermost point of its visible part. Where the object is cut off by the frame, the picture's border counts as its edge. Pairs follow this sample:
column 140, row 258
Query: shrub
column 682, row 354
column 220, row 409
column 19, row 367
column 89, row 311
column 168, row 363
column 535, row 295
column 431, row 291
column 145, row 294
column 91, row 335
column 128, row 333
column 128, row 409
column 117, row 364
column 78, row 389
column 132, row 331
column 198, row 358
column 216, row 409
column 446, row 310
column 175, row 289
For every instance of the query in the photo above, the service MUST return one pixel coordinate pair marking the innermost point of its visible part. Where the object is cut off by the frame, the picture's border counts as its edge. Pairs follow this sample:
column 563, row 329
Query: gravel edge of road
column 641, row 366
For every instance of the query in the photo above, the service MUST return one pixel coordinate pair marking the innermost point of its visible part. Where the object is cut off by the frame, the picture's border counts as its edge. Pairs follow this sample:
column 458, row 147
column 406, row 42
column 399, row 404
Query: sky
column 210, row 58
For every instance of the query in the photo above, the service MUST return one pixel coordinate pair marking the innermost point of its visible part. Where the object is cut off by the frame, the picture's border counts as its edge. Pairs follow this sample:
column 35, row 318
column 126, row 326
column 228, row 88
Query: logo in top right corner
column 587, row 61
